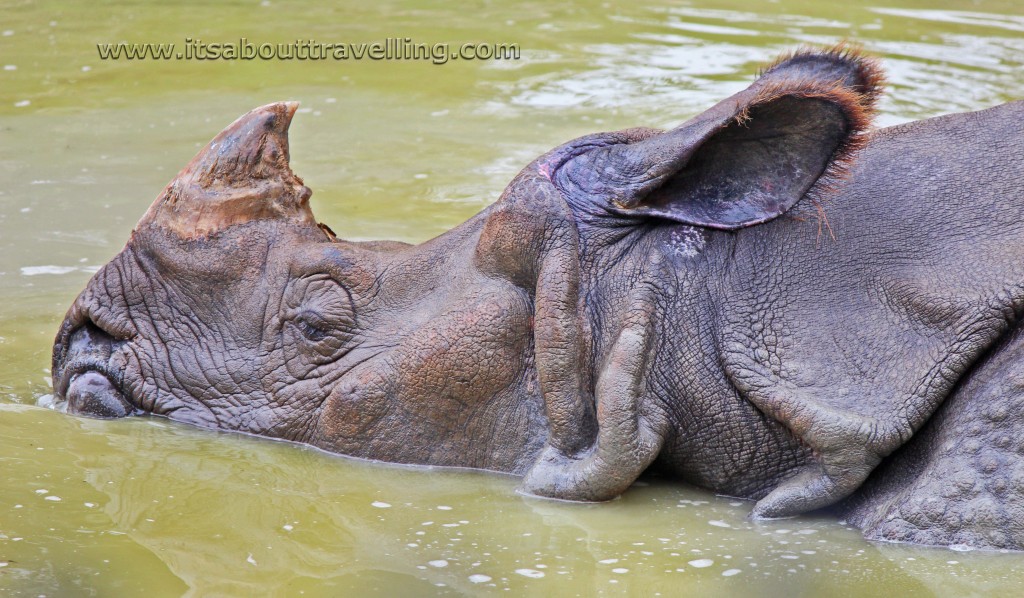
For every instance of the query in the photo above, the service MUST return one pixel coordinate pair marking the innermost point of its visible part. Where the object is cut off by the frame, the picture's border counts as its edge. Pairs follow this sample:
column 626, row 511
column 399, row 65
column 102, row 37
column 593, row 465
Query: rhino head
column 514, row 341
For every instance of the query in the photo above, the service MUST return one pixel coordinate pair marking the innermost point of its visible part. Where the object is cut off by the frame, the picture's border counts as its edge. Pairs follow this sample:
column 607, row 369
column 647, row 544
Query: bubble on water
column 701, row 563
column 18, row 506
column 478, row 578
column 531, row 573
column 961, row 548
column 86, row 68
column 438, row 563
column 22, row 103
column 10, row 67
column 806, row 532
column 620, row 570
column 952, row 562
column 250, row 560
column 718, row 523
column 380, row 504
column 287, row 527
column 53, row 498
column 730, row 572
column 42, row 491
column 609, row 561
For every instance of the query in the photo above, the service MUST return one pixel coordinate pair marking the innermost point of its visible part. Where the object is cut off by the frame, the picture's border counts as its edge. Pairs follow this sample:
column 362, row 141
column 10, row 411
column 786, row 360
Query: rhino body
column 770, row 301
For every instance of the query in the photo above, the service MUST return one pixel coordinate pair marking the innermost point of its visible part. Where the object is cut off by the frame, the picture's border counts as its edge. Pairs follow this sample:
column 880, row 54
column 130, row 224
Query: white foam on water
column 37, row 270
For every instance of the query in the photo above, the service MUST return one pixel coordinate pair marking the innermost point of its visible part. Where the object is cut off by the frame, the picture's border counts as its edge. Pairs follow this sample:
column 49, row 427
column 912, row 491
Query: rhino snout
column 85, row 378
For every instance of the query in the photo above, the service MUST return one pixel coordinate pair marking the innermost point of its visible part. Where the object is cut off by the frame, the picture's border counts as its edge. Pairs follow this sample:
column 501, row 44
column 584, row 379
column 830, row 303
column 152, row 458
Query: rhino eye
column 312, row 325
column 319, row 320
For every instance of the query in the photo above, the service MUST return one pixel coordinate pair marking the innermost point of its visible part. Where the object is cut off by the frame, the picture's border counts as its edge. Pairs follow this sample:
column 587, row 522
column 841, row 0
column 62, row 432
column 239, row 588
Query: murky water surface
column 403, row 151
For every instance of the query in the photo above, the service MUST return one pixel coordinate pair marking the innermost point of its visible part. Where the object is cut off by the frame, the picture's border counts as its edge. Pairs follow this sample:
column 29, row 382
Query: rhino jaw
column 240, row 176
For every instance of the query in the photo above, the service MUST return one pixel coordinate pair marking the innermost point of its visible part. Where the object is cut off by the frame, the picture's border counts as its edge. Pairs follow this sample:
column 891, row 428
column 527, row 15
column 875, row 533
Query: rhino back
column 865, row 305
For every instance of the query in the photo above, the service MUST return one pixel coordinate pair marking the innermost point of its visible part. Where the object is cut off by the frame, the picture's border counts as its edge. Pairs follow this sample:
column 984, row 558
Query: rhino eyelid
column 314, row 331
column 313, row 324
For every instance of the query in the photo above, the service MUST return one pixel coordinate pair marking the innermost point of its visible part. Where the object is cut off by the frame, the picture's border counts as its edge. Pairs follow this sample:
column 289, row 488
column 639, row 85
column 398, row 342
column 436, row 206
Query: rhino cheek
column 350, row 419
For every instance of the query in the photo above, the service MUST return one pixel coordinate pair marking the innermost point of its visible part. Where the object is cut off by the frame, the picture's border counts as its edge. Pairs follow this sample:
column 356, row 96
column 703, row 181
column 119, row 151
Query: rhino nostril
column 93, row 394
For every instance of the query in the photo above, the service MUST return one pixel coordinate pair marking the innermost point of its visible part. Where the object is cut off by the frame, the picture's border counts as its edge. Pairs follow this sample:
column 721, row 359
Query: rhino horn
column 240, row 176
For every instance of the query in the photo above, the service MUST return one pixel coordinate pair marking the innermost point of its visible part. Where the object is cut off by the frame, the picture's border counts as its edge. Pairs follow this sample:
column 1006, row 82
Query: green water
column 403, row 151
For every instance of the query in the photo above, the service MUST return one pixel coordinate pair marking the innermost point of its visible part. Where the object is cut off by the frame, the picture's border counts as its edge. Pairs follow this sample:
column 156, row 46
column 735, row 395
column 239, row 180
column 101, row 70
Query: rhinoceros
column 771, row 301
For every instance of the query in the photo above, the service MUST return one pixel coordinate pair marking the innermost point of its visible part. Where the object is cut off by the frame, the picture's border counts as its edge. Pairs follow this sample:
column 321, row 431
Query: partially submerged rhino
column 767, row 301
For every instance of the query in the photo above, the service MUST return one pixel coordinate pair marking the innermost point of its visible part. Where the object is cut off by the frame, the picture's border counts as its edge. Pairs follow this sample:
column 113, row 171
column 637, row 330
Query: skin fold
column 772, row 301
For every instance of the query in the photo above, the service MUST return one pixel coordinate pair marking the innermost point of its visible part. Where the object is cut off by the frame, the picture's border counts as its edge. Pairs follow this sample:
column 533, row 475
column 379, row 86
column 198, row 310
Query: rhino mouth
column 92, row 393
column 86, row 384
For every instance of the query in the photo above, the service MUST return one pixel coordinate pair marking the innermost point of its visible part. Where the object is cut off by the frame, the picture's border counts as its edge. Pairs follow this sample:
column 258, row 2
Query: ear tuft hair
column 868, row 77
column 858, row 85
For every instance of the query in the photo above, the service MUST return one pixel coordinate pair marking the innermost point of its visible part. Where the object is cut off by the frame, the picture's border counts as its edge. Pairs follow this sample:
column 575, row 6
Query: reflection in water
column 400, row 151
column 233, row 515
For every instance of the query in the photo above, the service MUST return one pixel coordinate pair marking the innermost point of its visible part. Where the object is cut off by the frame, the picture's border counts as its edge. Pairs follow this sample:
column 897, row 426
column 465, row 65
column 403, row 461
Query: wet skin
column 768, row 301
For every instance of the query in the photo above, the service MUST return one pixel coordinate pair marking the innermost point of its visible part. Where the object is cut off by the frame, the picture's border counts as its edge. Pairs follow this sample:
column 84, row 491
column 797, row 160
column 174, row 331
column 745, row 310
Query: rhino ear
column 749, row 158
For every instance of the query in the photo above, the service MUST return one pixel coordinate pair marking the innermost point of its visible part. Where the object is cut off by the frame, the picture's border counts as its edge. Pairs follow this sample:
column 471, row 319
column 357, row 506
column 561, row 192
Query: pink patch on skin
column 545, row 169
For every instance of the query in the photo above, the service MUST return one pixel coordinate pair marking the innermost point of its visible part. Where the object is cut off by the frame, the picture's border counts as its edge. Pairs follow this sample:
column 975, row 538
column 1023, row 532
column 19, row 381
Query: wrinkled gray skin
column 717, row 302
